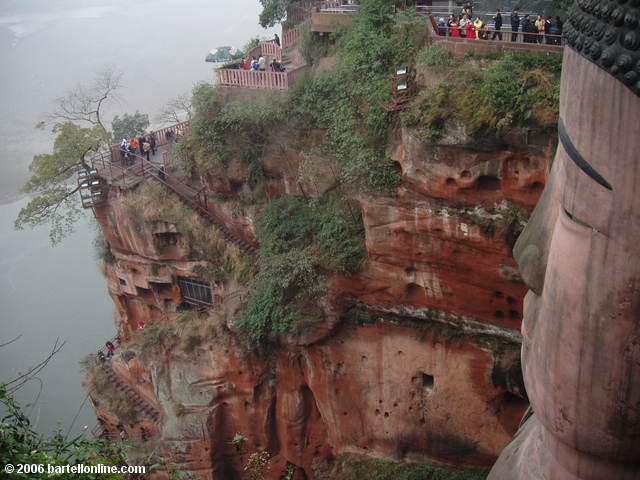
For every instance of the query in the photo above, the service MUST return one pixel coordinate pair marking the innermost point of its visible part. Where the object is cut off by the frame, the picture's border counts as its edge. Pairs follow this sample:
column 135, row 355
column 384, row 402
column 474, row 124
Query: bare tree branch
column 19, row 381
column 176, row 110
column 10, row 341
column 83, row 104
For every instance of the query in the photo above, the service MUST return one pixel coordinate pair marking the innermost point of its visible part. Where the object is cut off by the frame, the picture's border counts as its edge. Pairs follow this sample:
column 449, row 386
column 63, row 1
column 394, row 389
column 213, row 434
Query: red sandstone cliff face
column 418, row 361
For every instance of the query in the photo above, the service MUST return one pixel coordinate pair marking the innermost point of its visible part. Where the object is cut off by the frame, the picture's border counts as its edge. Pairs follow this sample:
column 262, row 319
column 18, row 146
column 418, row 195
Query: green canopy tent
column 223, row 54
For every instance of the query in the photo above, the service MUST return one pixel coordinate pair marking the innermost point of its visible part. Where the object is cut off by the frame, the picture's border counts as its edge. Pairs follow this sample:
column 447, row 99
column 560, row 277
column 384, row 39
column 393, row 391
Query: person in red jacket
column 455, row 29
column 133, row 143
column 471, row 31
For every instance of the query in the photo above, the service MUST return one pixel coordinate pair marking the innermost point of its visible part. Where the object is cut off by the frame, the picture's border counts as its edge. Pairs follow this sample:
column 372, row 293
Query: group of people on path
column 259, row 64
column 110, row 348
column 541, row 30
column 143, row 145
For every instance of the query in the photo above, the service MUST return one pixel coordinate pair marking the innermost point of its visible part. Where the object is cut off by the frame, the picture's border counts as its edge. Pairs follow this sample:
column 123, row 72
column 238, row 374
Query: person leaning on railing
column 455, row 29
column 556, row 30
column 540, row 26
column 464, row 22
column 527, row 28
column 497, row 20
column 515, row 24
column 482, row 32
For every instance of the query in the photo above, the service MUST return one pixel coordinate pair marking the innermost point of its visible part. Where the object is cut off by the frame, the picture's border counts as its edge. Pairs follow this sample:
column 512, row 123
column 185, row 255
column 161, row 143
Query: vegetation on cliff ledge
column 356, row 467
column 21, row 445
column 152, row 203
column 487, row 93
column 338, row 113
column 301, row 242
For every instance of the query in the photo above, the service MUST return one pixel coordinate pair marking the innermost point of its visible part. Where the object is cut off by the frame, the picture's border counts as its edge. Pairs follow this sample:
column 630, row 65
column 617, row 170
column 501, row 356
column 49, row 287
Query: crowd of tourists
column 541, row 30
column 143, row 145
column 259, row 63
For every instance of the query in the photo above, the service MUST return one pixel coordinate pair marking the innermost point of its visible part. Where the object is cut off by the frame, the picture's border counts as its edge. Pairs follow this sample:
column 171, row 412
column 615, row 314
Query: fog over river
column 47, row 47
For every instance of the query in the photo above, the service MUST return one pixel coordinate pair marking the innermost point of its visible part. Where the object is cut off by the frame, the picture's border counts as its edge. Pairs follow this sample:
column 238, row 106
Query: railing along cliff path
column 515, row 42
column 107, row 165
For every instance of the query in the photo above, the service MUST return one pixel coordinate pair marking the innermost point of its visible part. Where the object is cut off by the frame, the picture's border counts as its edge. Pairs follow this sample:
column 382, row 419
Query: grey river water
column 46, row 48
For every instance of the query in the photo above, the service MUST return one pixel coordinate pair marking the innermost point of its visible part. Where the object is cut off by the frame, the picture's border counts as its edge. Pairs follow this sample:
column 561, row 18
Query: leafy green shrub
column 430, row 112
column 220, row 131
column 489, row 55
column 217, row 273
column 347, row 102
column 500, row 92
column 193, row 330
column 312, row 46
column 515, row 90
column 301, row 241
column 435, row 56
column 103, row 249
column 512, row 223
column 20, row 444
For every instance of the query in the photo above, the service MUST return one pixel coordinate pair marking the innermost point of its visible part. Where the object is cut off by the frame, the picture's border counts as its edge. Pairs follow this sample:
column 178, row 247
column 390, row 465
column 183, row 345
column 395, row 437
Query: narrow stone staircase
column 191, row 197
column 148, row 410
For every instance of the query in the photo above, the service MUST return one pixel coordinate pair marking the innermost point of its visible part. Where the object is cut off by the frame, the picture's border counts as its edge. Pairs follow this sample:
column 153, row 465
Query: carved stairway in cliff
column 197, row 200
column 108, row 167
column 150, row 411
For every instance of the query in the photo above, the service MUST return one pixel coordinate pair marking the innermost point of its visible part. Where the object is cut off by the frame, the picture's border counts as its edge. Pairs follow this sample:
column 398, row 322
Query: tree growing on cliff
column 22, row 447
column 129, row 125
column 274, row 11
column 80, row 132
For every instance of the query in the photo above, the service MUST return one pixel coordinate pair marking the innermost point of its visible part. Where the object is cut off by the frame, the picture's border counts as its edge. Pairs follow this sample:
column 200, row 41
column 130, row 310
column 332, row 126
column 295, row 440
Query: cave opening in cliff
column 427, row 382
column 489, row 183
column 424, row 382
column 537, row 187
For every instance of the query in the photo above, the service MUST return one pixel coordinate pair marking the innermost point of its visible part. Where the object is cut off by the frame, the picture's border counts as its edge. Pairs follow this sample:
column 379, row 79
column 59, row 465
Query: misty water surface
column 46, row 48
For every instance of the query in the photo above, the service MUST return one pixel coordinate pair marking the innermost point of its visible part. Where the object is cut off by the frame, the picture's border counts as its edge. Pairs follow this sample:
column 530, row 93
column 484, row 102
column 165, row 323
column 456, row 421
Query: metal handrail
column 197, row 199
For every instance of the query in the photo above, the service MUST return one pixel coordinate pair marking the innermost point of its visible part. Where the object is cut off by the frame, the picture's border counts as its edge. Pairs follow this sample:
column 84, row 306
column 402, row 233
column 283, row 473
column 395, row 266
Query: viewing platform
column 507, row 41
column 115, row 168
column 266, row 79
column 325, row 16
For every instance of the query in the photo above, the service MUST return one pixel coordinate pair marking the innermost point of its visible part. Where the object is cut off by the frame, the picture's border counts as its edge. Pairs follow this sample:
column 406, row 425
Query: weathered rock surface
column 418, row 362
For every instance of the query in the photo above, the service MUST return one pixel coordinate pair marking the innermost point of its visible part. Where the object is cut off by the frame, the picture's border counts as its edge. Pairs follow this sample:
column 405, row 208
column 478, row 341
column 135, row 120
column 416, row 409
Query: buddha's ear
column 531, row 251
